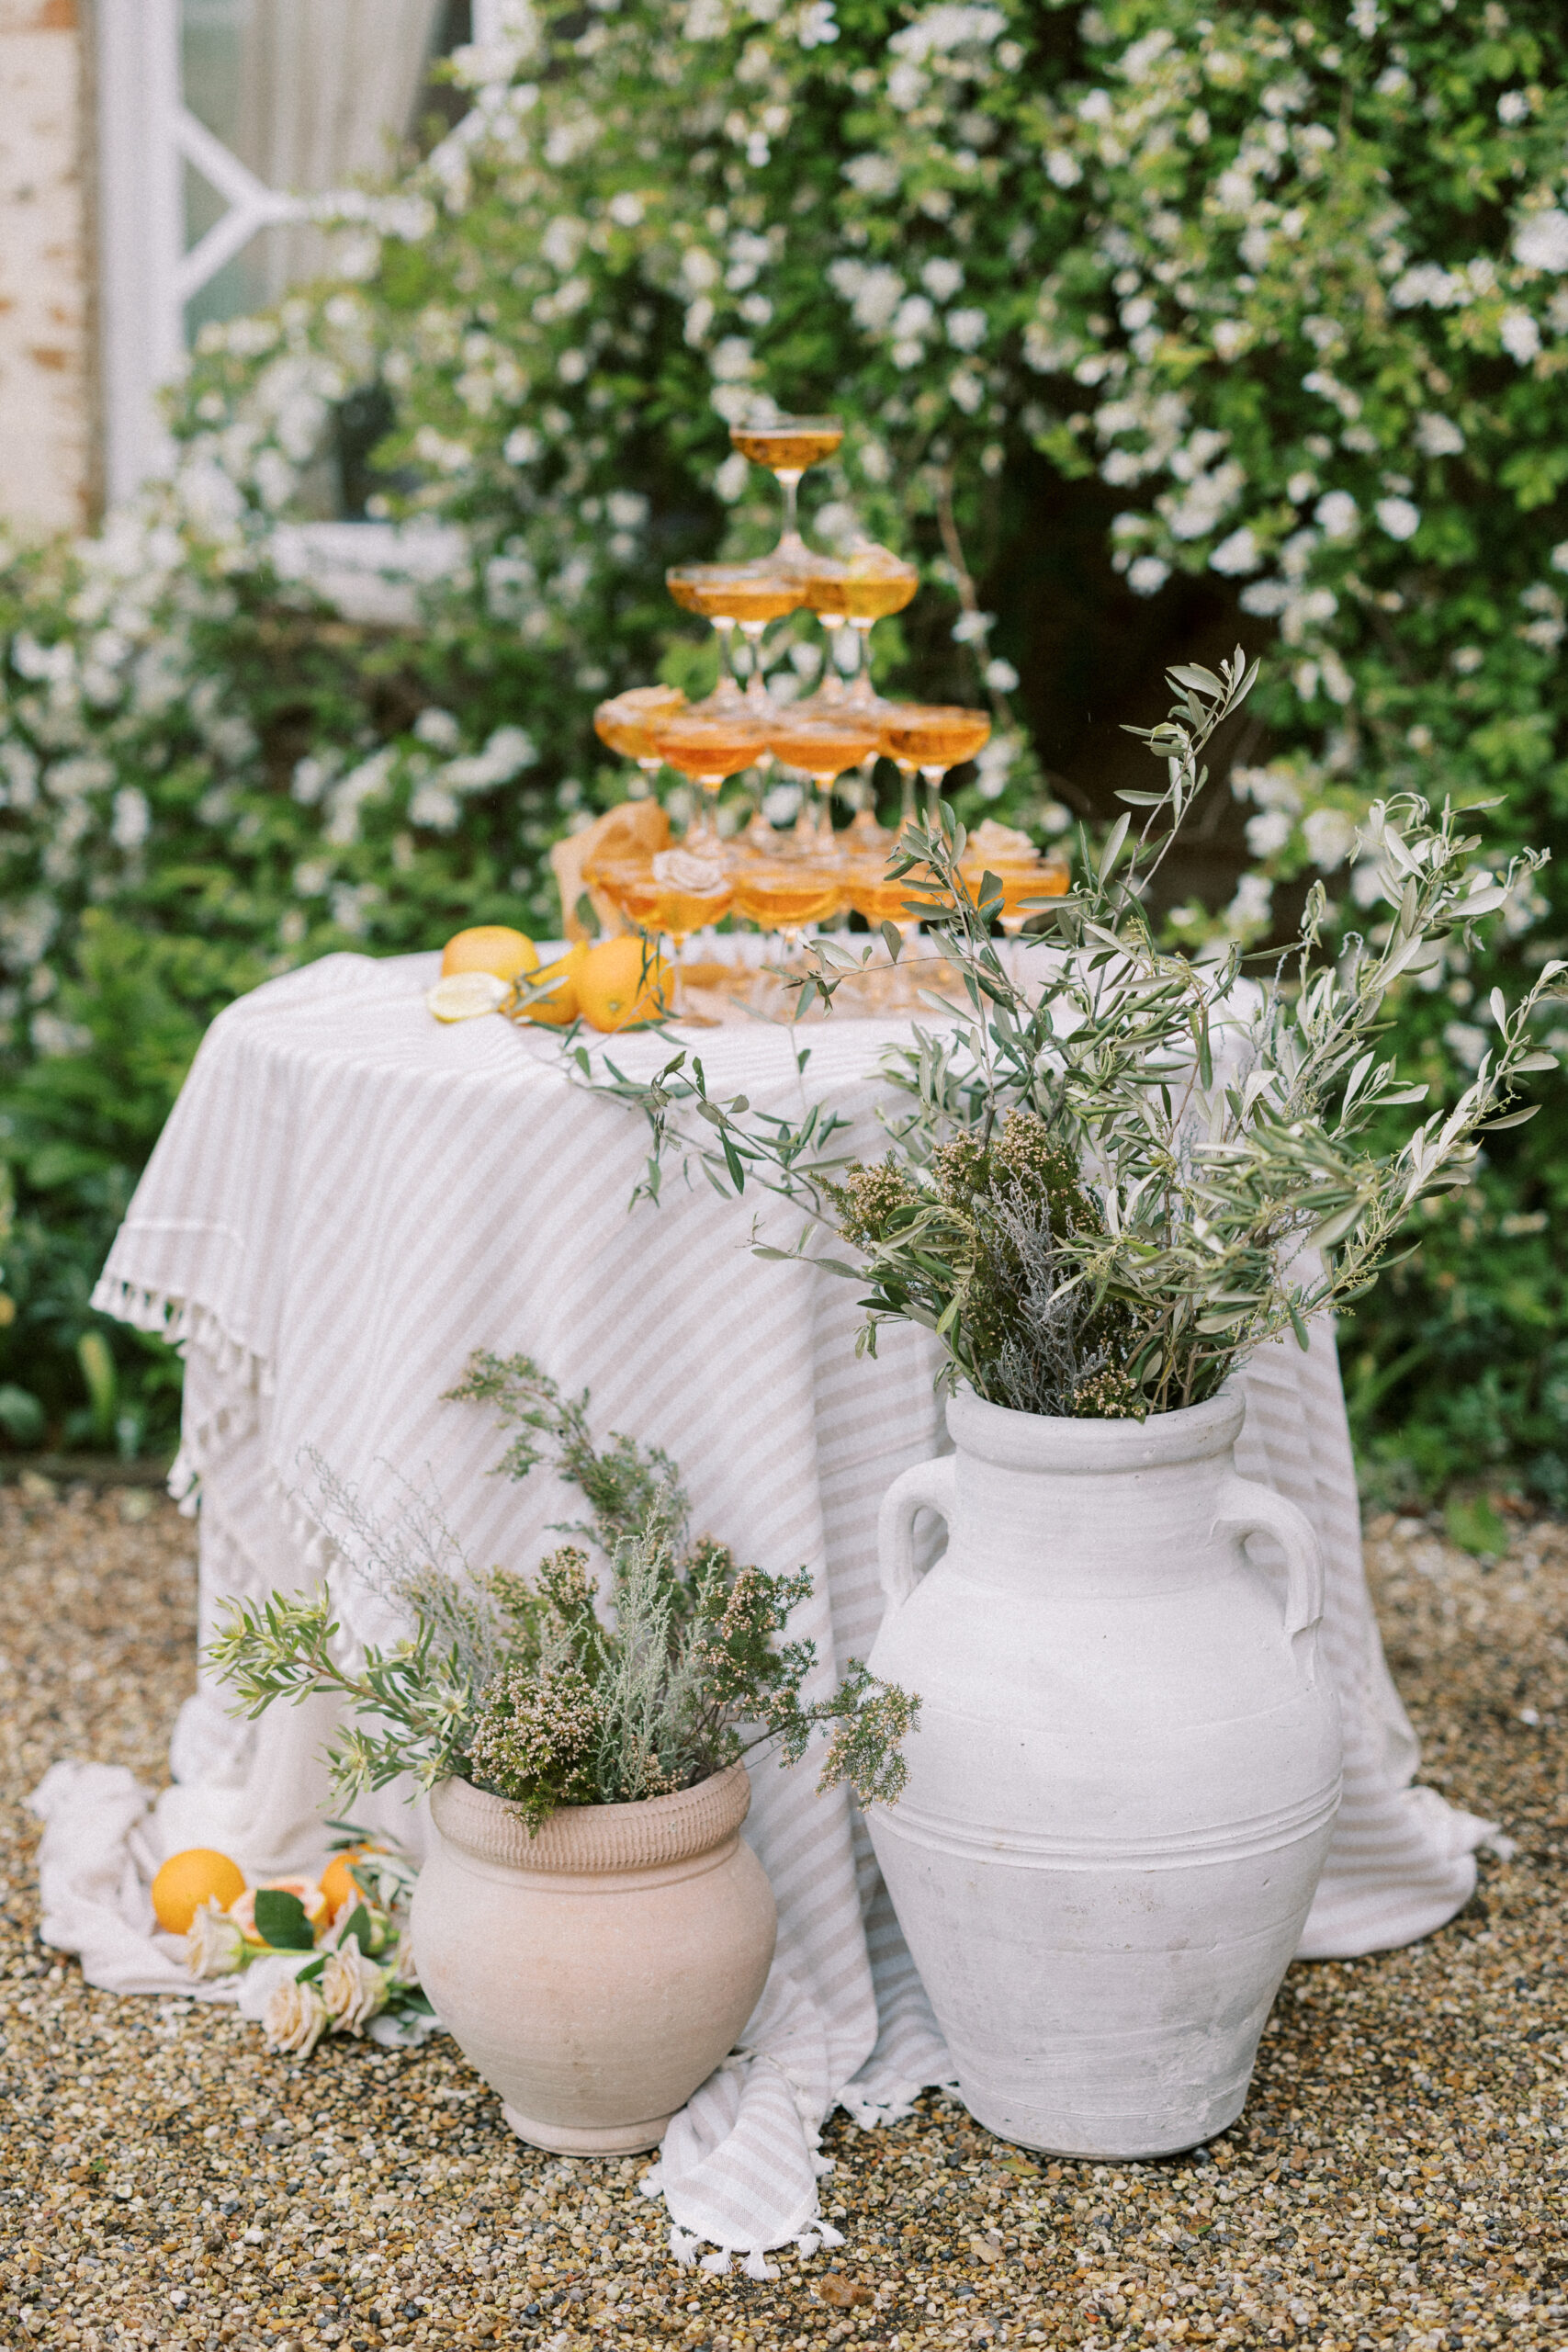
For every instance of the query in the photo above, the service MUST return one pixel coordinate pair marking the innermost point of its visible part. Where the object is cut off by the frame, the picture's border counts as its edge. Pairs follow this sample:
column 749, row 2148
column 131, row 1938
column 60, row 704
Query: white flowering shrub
column 1150, row 320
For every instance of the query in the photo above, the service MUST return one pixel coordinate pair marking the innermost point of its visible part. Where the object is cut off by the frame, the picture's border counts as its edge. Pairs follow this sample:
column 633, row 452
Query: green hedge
column 1153, row 327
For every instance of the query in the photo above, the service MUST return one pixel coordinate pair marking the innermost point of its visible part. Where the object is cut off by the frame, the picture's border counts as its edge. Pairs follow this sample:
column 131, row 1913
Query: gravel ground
column 1397, row 2178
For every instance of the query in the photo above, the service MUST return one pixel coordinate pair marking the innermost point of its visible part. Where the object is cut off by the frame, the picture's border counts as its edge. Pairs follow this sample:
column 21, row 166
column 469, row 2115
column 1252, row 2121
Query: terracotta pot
column 1124, row 1775
column 595, row 1973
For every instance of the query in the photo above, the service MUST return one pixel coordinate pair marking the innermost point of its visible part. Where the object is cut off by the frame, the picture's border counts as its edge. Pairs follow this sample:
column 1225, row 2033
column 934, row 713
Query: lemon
column 463, row 995
column 187, row 1881
column 622, row 980
column 490, row 947
column 559, row 1007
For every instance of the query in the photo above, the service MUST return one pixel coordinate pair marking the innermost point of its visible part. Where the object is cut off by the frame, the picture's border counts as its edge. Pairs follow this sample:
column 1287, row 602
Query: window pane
column 310, row 95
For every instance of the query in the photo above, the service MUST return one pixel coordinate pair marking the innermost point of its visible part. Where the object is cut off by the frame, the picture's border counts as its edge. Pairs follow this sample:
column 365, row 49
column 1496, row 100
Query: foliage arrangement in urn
column 1140, row 313
column 543, row 1691
column 1120, row 1168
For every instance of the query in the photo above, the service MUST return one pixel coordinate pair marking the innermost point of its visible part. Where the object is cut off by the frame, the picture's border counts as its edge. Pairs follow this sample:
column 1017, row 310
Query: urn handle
column 1246, row 1507
column 927, row 1486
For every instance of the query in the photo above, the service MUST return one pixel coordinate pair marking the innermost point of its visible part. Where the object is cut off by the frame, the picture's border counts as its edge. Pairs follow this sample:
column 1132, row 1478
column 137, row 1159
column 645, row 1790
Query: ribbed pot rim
column 594, row 1837
column 1013, row 1441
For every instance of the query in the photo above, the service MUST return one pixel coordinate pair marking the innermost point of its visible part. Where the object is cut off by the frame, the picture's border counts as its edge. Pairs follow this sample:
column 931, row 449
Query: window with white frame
column 221, row 123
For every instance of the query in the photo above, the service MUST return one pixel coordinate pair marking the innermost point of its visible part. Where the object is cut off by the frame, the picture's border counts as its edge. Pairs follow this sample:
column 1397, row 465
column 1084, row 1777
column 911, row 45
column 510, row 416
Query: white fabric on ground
column 348, row 1200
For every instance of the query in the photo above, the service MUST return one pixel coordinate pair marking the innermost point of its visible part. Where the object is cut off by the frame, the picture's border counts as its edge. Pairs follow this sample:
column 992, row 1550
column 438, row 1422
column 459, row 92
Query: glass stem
column 729, row 686
column 832, row 689
column 906, row 789
column 757, row 693
column 933, row 778
column 790, row 485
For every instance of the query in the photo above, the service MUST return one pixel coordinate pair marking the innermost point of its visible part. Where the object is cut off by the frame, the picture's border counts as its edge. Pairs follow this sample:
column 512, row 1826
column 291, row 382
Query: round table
column 348, row 1199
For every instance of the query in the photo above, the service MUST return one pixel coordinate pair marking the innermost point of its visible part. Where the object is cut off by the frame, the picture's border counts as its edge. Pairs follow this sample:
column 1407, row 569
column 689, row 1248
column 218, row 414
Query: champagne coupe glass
column 1024, row 874
column 623, row 723
column 785, row 894
column 934, row 738
column 767, row 594
column 822, row 744
column 735, row 596
column 675, row 893
column 871, row 894
column 788, row 446
column 876, row 582
column 708, row 743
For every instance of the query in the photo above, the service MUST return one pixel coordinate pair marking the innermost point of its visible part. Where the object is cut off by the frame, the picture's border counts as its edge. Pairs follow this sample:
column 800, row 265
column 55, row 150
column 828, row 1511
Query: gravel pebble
column 1397, row 2179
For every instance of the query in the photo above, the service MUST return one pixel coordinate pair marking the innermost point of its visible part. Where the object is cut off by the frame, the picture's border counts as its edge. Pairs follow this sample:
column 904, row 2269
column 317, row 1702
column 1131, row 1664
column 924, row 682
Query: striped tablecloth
column 348, row 1199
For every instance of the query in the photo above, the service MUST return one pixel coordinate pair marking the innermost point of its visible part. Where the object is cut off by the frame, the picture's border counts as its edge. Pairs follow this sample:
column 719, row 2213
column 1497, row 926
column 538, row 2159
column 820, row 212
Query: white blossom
column 1269, row 832
column 874, row 174
column 1147, row 575
column 1330, row 835
column 1399, row 517
column 1252, row 908
column 1337, row 514
column 941, row 278
column 1465, row 1041
column 1541, row 241
column 1519, row 336
column 966, row 329
column 1514, row 105
column 1437, row 437
column 132, row 820
column 1062, row 168
column 1239, row 553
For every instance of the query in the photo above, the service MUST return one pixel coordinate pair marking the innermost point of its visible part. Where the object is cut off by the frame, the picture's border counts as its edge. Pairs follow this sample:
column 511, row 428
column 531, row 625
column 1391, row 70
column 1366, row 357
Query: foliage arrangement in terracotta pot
column 1114, row 1173
column 590, row 1924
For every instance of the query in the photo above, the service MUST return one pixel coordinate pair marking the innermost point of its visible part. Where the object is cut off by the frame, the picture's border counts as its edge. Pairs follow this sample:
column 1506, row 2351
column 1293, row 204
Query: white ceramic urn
column 1124, row 1774
column 597, row 1972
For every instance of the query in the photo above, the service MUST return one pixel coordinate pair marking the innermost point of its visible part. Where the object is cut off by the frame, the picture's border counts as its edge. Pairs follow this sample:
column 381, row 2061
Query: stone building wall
column 47, row 426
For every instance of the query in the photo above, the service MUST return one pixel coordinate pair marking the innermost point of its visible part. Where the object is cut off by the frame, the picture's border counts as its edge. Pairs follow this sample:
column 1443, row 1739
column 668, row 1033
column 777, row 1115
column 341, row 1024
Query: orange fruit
column 620, row 981
column 244, row 1908
column 490, row 947
column 337, row 1887
column 559, row 1009
column 187, row 1881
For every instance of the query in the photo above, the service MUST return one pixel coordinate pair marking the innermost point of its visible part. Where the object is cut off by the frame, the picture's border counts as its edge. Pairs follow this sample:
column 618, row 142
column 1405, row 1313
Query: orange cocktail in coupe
column 623, row 722
column 822, row 743
column 747, row 596
column 932, row 737
column 708, row 743
column 876, row 583
column 788, row 446
column 783, row 894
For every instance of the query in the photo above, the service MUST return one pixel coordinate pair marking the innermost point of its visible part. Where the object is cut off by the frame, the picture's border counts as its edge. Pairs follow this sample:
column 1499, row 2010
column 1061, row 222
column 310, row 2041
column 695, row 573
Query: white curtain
column 326, row 90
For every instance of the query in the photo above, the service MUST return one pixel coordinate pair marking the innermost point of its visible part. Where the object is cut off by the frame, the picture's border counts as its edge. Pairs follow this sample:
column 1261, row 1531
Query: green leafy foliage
column 1149, row 322
column 540, row 1688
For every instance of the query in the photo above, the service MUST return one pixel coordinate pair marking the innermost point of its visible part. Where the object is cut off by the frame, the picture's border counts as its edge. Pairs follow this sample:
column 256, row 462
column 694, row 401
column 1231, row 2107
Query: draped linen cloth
column 348, row 1199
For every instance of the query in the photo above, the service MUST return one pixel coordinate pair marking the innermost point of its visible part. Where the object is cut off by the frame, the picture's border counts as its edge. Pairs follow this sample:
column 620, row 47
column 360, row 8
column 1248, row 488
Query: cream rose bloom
column 352, row 1988
column 404, row 1969
column 295, row 2019
column 215, row 1945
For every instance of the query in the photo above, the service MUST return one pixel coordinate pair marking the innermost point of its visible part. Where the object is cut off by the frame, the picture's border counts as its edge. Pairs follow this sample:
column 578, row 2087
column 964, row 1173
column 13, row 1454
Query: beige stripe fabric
column 348, row 1199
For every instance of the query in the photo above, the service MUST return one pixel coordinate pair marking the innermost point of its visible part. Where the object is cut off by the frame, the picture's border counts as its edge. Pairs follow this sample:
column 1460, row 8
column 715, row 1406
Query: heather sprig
column 561, row 1688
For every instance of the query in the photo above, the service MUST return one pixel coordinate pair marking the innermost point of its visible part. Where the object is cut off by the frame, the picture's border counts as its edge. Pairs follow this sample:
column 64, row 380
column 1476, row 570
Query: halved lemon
column 462, row 996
